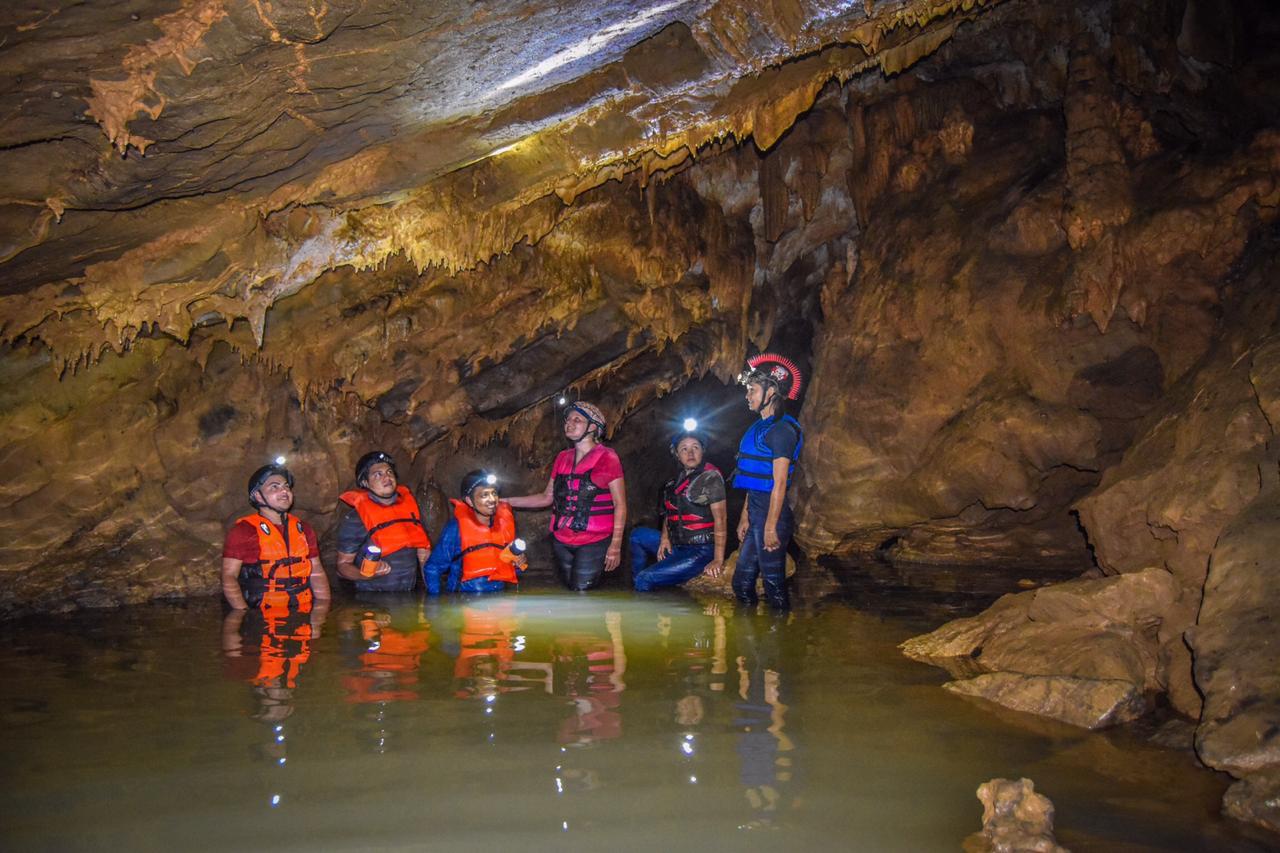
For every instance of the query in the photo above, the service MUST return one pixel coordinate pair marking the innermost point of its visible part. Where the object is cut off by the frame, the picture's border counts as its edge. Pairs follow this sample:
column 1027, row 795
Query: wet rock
column 1086, row 702
column 723, row 585
column 1014, row 818
column 1256, row 799
column 1091, row 634
column 1237, row 645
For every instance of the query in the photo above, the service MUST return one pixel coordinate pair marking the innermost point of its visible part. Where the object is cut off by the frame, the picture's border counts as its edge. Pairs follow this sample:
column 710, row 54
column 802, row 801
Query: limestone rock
column 1237, row 645
column 723, row 585
column 1014, row 818
column 1089, row 632
column 1256, row 799
column 1086, row 702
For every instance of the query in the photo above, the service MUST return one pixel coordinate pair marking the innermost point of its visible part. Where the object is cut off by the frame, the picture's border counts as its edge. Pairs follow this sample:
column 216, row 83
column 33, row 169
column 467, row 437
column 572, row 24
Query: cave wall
column 974, row 384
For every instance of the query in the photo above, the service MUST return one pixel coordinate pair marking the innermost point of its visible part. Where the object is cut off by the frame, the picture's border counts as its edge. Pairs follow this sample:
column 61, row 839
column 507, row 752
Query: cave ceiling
column 176, row 165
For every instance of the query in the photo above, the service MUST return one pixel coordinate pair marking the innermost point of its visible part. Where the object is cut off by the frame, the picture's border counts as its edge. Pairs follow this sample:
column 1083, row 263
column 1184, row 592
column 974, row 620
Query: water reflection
column 383, row 652
column 268, row 648
column 765, row 749
column 613, row 720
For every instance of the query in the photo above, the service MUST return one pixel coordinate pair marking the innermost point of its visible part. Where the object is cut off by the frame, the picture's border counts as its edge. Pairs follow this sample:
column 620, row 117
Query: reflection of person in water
column 765, row 750
column 485, row 649
column 268, row 647
column 386, row 658
column 591, row 669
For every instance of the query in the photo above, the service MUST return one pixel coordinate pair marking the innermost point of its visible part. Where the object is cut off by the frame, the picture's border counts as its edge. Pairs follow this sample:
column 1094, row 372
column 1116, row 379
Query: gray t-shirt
column 404, row 563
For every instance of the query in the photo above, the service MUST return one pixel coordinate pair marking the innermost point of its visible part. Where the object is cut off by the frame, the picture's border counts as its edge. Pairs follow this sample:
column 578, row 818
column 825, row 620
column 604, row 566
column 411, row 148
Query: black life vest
column 688, row 523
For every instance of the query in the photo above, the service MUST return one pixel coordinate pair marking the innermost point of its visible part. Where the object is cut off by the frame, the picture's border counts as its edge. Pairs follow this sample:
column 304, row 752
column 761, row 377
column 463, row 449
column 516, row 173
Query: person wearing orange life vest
column 588, row 500
column 475, row 553
column 382, row 542
column 270, row 558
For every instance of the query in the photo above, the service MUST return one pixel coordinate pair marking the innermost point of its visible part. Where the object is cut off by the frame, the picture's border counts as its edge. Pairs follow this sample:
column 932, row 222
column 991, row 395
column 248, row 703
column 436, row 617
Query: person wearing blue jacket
column 477, row 551
column 767, row 457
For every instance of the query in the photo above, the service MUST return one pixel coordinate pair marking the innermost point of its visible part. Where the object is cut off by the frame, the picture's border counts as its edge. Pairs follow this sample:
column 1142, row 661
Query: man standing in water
column 588, row 501
column 475, row 549
column 766, row 462
column 270, row 559
column 694, row 526
column 382, row 543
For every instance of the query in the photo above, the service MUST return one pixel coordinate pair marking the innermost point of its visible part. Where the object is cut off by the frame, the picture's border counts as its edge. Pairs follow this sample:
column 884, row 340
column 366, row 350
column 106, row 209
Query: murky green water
column 541, row 721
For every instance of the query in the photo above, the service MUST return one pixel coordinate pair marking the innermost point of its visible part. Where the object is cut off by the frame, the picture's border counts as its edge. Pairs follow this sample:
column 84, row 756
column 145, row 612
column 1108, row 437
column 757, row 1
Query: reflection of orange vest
column 482, row 544
column 392, row 528
column 285, row 647
column 486, row 633
column 281, row 574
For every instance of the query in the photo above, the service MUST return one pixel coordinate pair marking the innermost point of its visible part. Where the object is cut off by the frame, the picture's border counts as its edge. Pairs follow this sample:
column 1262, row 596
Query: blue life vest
column 755, row 460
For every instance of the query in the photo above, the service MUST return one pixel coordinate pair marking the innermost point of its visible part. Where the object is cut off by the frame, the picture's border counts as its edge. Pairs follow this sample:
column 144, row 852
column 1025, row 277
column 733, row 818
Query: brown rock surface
column 723, row 585
column 1236, row 643
column 1105, row 630
column 1091, row 703
column 1014, row 818
column 1256, row 799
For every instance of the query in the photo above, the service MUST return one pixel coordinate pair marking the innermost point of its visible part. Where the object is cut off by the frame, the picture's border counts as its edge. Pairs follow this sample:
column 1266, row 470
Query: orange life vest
column 392, row 527
column 280, row 578
column 482, row 544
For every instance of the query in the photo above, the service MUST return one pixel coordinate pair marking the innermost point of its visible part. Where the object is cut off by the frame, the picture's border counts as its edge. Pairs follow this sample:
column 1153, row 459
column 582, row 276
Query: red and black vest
column 280, row 578
column 688, row 523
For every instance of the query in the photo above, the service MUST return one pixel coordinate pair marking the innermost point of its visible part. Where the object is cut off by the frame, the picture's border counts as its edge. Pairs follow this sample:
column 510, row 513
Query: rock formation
column 1014, row 818
column 1026, row 249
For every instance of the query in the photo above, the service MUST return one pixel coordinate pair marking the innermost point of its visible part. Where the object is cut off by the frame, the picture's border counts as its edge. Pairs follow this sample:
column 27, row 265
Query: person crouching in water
column 382, row 542
column 270, row 558
column 477, row 551
column 694, row 525
column 588, row 500
column 766, row 463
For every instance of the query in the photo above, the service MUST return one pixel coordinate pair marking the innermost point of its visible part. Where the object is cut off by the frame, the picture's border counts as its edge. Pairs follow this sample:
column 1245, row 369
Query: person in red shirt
column 588, row 500
column 270, row 558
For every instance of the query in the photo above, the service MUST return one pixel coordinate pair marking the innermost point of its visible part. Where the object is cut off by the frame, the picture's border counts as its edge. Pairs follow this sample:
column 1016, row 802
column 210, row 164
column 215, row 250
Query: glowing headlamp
column 690, row 424
column 491, row 479
column 280, row 460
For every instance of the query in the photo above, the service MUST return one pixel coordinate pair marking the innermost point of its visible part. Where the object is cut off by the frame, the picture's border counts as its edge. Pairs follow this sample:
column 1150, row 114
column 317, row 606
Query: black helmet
column 473, row 479
column 368, row 461
column 260, row 476
column 697, row 435
column 689, row 430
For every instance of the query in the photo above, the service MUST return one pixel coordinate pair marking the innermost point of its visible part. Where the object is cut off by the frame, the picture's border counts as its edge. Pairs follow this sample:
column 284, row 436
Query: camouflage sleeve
column 707, row 488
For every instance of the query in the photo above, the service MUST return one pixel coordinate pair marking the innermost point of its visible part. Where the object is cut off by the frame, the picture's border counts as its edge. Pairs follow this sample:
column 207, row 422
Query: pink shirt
column 605, row 467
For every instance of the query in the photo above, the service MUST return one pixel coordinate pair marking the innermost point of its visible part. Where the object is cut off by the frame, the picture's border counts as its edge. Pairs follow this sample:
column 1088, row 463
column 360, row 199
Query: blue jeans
column 754, row 560
column 683, row 563
column 481, row 586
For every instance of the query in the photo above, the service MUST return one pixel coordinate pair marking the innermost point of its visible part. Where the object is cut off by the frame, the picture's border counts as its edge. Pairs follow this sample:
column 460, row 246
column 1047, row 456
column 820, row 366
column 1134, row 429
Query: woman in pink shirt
column 588, row 500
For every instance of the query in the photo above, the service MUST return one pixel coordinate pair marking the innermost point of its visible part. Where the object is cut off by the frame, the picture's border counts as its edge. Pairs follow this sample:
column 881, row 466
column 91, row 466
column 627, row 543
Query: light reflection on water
column 539, row 720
